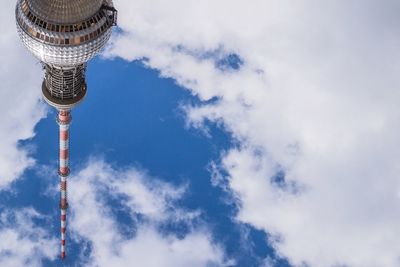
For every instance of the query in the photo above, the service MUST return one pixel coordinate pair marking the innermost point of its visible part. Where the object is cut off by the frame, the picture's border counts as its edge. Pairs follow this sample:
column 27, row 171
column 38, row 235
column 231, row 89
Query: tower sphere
column 64, row 33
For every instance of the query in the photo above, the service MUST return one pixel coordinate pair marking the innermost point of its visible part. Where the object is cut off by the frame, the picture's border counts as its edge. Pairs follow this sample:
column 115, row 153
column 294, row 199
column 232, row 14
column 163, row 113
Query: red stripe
column 63, row 154
column 64, row 116
column 64, row 135
column 63, row 242
column 64, row 170
column 62, row 255
column 63, row 217
column 63, row 185
column 63, row 230
column 63, row 203
column 63, row 113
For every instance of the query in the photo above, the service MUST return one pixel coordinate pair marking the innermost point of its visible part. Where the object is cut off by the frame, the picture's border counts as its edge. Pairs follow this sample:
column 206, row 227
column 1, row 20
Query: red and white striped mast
column 64, row 121
column 64, row 36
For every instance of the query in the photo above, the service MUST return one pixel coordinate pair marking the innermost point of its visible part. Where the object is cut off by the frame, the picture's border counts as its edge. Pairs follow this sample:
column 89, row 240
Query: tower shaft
column 64, row 35
column 64, row 120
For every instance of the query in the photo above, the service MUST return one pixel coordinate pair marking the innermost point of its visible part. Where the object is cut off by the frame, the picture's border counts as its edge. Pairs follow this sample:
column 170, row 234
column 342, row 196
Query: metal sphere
column 64, row 33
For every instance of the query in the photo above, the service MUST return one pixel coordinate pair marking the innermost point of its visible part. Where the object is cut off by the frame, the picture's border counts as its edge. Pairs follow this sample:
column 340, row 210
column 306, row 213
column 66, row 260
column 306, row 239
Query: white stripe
column 64, row 127
column 63, row 194
column 64, row 163
column 62, row 236
column 63, row 224
column 63, row 179
column 64, row 145
column 62, row 248
column 63, row 212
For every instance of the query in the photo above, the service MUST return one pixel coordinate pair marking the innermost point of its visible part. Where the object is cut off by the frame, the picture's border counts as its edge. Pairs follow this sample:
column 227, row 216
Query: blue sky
column 132, row 117
column 215, row 133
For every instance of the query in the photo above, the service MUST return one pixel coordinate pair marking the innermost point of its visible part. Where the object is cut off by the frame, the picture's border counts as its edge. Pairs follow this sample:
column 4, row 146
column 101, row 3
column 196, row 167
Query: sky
column 259, row 133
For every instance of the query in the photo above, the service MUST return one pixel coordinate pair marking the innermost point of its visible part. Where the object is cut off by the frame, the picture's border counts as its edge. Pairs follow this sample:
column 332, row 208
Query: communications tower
column 64, row 35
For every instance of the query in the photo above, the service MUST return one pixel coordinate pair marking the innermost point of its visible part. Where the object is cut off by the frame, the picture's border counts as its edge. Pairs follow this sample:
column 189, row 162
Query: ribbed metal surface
column 65, row 83
column 65, row 11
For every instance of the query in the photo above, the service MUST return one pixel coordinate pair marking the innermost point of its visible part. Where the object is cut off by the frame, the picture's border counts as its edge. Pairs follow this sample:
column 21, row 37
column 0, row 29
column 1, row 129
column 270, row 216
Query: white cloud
column 138, row 195
column 22, row 242
column 317, row 96
column 19, row 93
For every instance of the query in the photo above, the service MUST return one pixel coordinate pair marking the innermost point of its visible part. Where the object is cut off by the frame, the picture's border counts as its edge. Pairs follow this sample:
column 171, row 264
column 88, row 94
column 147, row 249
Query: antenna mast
column 64, row 121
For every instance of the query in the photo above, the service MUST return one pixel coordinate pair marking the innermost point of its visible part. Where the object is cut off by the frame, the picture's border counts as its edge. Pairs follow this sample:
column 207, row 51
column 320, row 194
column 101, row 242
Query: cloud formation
column 314, row 100
column 23, row 243
column 20, row 91
column 99, row 191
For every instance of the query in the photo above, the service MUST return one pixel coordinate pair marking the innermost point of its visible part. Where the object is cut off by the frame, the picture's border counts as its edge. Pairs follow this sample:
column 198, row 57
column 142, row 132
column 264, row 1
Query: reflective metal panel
column 64, row 55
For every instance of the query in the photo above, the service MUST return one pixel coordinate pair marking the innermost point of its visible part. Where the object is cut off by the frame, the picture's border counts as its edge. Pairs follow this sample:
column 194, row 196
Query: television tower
column 64, row 35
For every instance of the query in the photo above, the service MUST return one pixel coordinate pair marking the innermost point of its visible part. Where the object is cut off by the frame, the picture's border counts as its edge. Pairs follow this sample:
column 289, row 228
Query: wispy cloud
column 99, row 191
column 23, row 242
column 20, row 108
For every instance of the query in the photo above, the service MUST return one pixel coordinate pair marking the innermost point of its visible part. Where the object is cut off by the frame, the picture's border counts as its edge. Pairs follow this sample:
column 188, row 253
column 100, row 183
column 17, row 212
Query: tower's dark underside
column 64, row 86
